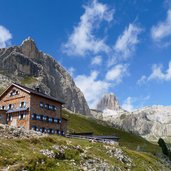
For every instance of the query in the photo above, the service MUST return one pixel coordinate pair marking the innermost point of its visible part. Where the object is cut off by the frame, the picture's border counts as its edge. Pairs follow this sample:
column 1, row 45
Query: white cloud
column 157, row 74
column 92, row 88
column 97, row 60
column 162, row 29
column 5, row 37
column 83, row 39
column 142, row 80
column 131, row 103
column 117, row 73
column 125, row 44
column 128, row 104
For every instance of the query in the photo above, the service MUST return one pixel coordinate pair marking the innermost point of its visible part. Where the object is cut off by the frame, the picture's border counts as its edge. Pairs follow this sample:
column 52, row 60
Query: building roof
column 32, row 91
column 17, row 110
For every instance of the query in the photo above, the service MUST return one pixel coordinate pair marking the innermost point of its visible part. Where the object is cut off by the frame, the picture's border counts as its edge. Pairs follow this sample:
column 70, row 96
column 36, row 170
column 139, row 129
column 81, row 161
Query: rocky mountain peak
column 28, row 66
column 29, row 48
column 109, row 101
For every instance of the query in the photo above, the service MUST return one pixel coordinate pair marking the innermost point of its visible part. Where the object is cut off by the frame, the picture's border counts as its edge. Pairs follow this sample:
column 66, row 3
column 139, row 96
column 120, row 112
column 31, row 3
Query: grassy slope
column 79, row 123
column 28, row 80
column 25, row 153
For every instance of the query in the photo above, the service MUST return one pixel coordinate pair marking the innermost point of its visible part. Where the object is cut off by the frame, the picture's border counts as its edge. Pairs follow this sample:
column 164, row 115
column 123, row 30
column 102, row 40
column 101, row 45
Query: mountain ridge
column 26, row 65
column 151, row 122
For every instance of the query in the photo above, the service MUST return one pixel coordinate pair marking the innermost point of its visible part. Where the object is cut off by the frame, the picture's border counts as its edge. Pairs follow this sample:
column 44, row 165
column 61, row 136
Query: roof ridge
column 30, row 90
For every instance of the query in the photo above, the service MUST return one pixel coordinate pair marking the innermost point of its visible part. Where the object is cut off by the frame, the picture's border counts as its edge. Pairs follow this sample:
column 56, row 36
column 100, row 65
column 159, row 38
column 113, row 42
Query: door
column 14, row 122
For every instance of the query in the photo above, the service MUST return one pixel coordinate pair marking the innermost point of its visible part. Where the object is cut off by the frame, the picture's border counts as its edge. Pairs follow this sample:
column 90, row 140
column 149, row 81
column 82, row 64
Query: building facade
column 21, row 106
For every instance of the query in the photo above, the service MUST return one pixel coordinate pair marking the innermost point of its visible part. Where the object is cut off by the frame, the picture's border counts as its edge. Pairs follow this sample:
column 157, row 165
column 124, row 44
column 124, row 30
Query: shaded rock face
column 109, row 101
column 27, row 65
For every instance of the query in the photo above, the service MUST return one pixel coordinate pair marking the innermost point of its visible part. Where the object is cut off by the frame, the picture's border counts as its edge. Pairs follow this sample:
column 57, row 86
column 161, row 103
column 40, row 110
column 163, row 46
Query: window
column 49, row 131
column 41, row 130
column 46, row 106
column 14, row 92
column 60, row 120
column 9, row 117
column 10, row 106
column 33, row 116
column 41, row 104
column 33, row 128
column 53, row 108
column 50, row 119
column 62, row 133
column 44, row 118
column 58, row 132
column 45, row 130
column 56, row 120
column 39, row 117
column 37, row 129
column 23, row 105
column 50, row 107
column 21, row 115
column 53, row 131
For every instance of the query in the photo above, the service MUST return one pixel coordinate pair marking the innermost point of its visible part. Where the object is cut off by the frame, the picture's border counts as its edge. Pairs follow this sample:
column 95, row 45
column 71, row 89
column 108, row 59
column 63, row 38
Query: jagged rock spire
column 109, row 101
column 29, row 48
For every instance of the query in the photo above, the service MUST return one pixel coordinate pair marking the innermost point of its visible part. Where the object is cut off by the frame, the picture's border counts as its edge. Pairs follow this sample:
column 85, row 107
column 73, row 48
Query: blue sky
column 108, row 46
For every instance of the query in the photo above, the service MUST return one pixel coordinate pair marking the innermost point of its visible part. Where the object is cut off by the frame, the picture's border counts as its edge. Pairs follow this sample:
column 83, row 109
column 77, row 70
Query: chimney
column 37, row 89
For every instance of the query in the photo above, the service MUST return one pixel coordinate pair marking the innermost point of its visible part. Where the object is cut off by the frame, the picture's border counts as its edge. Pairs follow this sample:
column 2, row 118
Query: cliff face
column 27, row 65
column 109, row 101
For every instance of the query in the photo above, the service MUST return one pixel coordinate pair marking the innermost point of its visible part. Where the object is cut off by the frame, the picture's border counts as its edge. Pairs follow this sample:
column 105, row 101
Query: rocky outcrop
column 106, row 107
column 11, row 132
column 88, row 162
column 27, row 65
column 109, row 101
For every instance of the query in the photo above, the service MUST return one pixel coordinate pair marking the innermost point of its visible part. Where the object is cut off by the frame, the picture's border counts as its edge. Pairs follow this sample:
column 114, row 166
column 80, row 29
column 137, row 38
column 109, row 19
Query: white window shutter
column 24, row 115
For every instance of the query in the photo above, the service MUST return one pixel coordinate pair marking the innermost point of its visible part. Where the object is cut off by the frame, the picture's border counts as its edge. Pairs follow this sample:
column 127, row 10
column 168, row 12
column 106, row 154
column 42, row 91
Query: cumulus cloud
column 162, row 29
column 128, row 104
column 83, row 39
column 97, row 60
column 5, row 37
column 117, row 73
column 157, row 74
column 92, row 88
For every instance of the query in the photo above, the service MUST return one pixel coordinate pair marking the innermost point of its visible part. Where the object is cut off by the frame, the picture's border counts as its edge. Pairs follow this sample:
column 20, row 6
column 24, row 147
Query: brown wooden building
column 21, row 106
